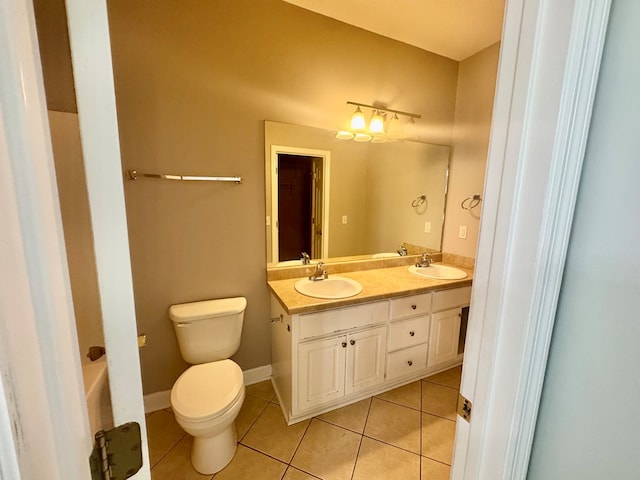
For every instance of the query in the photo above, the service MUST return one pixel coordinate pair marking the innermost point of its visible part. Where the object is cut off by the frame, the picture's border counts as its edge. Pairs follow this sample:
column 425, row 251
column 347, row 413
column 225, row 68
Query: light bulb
column 358, row 122
column 394, row 127
column 376, row 125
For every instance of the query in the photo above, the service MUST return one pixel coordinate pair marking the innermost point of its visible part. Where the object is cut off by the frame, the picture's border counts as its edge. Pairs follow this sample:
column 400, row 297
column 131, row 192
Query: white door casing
column 326, row 169
column 44, row 429
column 547, row 77
column 93, row 74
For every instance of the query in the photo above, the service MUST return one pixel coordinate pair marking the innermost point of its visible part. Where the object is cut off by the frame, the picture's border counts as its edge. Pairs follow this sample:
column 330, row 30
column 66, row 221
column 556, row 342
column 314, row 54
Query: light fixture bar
column 406, row 114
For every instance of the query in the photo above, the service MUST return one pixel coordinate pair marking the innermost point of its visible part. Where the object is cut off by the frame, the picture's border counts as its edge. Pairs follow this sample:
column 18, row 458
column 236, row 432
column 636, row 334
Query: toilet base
column 209, row 455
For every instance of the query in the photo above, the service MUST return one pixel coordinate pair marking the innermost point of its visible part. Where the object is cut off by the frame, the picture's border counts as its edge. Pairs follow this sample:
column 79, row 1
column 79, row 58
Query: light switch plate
column 427, row 227
column 344, row 219
column 462, row 232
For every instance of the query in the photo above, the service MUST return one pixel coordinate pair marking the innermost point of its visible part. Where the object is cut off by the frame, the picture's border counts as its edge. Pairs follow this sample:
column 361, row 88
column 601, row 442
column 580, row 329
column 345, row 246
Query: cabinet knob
column 412, row 333
column 352, row 342
column 410, row 363
column 414, row 306
column 344, row 344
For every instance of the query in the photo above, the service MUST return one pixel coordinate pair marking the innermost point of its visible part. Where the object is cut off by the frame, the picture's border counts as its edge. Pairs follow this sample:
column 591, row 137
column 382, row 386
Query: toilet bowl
column 206, row 400
column 208, row 396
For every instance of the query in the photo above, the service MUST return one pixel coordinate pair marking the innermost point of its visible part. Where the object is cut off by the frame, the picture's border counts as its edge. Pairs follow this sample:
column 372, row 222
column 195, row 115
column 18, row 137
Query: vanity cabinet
column 330, row 368
column 445, row 325
column 445, row 329
column 408, row 335
column 328, row 359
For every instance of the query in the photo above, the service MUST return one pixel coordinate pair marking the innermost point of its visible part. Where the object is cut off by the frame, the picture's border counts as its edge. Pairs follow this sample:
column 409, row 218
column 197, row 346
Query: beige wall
column 474, row 106
column 194, row 83
column 76, row 221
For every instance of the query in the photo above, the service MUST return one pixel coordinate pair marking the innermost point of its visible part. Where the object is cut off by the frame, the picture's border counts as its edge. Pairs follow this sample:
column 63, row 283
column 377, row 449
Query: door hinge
column 117, row 454
column 464, row 407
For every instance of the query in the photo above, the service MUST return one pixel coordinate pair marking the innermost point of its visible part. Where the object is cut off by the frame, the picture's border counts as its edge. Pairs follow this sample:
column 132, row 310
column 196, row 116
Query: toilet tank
column 209, row 330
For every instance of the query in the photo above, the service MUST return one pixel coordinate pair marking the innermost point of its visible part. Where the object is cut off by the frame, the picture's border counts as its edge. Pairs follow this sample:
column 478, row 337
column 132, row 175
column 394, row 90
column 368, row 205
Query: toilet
column 207, row 397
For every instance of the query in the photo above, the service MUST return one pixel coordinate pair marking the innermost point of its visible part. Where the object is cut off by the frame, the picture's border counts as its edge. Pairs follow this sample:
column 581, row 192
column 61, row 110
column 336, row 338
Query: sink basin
column 332, row 287
column 439, row 272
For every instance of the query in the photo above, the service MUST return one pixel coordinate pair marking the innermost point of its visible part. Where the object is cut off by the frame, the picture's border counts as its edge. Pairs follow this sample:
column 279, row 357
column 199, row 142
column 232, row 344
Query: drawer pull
column 412, row 333
column 414, row 306
column 410, row 363
column 344, row 344
column 352, row 342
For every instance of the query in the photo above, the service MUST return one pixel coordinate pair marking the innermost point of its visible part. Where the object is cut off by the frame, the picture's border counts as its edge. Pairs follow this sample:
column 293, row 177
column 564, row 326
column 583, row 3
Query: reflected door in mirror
column 297, row 205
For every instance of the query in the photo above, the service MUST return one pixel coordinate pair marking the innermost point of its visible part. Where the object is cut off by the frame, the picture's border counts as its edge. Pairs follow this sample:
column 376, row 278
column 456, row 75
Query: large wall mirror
column 337, row 198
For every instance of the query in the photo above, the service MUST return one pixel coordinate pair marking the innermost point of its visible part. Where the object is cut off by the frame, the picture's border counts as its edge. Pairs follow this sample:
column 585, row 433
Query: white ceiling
column 452, row 28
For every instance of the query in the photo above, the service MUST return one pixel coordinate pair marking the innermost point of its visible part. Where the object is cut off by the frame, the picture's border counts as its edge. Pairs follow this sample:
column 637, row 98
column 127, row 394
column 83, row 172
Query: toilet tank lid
column 188, row 312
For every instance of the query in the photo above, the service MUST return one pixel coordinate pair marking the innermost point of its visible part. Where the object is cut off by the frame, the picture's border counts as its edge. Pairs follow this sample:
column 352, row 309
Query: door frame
column 43, row 414
column 532, row 176
column 547, row 78
column 326, row 169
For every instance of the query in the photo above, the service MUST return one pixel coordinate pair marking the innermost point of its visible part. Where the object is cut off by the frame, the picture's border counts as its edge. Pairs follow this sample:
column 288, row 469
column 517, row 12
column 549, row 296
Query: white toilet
column 207, row 397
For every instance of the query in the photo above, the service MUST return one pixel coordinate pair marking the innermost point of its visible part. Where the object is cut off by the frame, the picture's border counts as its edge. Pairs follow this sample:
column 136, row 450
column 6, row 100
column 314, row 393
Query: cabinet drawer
column 407, row 361
column 456, row 297
column 407, row 333
column 332, row 321
column 414, row 305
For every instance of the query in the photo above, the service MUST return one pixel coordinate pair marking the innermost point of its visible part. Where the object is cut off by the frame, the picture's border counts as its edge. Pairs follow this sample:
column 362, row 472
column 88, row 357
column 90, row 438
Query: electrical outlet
column 427, row 227
column 344, row 219
column 462, row 231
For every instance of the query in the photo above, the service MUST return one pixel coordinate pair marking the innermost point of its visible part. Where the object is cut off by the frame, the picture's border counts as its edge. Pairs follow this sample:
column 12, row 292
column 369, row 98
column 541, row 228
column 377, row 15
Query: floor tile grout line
column 364, row 428
column 300, row 441
column 265, row 454
column 254, row 420
column 440, row 384
column 421, row 406
column 339, row 426
column 174, row 445
column 391, row 445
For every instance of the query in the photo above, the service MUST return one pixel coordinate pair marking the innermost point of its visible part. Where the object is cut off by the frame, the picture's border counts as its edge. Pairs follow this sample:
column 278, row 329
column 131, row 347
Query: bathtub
column 96, row 389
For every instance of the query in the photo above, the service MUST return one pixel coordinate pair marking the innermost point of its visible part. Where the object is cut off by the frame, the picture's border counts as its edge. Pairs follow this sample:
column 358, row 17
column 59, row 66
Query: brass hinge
column 117, row 454
column 464, row 408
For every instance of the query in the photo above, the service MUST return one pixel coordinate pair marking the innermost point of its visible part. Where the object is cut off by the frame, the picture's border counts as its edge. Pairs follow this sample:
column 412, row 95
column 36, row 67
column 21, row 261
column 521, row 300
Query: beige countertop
column 377, row 284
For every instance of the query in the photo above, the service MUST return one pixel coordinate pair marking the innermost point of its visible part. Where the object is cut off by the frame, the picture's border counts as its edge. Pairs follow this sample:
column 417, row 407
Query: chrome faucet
column 425, row 261
column 306, row 259
column 319, row 274
column 402, row 251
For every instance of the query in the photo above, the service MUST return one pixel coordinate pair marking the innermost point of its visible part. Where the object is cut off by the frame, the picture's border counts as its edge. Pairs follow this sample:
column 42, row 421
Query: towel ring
column 419, row 201
column 471, row 202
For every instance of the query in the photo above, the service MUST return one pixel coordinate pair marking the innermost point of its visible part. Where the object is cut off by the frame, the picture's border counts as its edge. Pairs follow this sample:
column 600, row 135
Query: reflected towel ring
column 419, row 201
column 471, row 202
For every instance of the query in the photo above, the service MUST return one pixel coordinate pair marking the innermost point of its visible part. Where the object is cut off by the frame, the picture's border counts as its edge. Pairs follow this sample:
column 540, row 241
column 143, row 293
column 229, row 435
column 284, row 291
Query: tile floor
column 406, row 433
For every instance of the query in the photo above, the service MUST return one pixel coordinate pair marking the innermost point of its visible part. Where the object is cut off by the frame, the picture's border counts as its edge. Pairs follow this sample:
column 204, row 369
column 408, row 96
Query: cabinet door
column 321, row 369
column 366, row 352
column 443, row 341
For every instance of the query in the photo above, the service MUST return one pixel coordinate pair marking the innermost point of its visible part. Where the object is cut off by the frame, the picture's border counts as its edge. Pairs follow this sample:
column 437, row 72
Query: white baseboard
column 157, row 401
column 161, row 400
column 256, row 375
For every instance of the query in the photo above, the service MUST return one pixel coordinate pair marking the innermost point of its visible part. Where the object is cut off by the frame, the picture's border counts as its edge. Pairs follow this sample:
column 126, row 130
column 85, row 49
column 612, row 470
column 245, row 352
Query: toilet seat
column 207, row 391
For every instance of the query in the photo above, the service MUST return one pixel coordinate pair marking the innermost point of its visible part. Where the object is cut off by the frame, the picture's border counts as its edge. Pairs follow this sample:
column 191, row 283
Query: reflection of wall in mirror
column 398, row 173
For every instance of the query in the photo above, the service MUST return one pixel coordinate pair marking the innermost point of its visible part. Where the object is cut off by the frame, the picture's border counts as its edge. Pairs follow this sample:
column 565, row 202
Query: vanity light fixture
column 376, row 131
